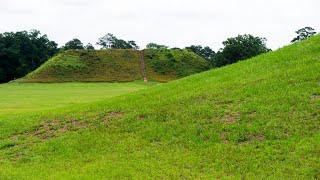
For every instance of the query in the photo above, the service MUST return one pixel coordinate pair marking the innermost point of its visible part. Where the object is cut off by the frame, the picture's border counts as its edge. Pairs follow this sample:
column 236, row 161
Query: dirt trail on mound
column 142, row 66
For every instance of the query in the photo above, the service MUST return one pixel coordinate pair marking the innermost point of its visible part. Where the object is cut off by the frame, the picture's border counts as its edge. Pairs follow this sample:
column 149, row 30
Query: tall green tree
column 109, row 41
column 303, row 34
column 89, row 46
column 156, row 46
column 74, row 44
column 240, row 48
column 22, row 52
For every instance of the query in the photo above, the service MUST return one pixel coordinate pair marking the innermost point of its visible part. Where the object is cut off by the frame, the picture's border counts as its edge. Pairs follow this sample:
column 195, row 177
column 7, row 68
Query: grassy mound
column 255, row 119
column 117, row 66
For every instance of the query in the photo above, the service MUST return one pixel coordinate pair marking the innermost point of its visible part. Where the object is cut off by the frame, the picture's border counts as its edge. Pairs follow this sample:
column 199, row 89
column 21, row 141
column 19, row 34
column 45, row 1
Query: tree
column 89, row 46
column 240, row 48
column 74, row 44
column 109, row 41
column 156, row 46
column 133, row 45
column 304, row 33
column 205, row 52
column 22, row 52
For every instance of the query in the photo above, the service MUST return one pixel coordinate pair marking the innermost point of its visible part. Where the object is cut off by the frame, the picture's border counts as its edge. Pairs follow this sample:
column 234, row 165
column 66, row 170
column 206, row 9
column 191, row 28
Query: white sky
column 176, row 23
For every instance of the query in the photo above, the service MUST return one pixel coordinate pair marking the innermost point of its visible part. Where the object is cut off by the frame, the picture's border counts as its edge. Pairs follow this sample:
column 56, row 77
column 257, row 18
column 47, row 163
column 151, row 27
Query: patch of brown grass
column 53, row 128
column 257, row 137
column 224, row 137
column 230, row 117
column 109, row 116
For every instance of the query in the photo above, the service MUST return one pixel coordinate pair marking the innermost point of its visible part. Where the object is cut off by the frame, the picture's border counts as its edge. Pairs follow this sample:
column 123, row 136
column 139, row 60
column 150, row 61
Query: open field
column 256, row 119
column 26, row 97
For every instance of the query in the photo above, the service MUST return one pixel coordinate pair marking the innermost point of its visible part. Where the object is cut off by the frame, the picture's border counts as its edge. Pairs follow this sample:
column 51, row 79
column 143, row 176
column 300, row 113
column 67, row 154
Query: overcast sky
column 177, row 23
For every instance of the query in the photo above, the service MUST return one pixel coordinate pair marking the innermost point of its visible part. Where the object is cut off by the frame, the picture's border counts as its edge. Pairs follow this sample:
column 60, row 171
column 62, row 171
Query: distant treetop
column 89, row 46
column 205, row 52
column 74, row 44
column 109, row 41
column 240, row 48
column 156, row 46
column 304, row 33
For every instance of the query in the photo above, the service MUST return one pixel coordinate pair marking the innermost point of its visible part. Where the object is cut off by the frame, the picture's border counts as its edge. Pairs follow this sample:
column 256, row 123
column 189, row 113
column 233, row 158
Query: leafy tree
column 240, row 48
column 89, row 46
column 74, row 44
column 22, row 52
column 133, row 45
column 304, row 33
column 109, row 41
column 206, row 52
column 156, row 46
column 219, row 60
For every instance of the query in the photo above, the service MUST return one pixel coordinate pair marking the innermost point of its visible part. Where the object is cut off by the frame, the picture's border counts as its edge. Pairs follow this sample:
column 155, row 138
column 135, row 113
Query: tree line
column 22, row 52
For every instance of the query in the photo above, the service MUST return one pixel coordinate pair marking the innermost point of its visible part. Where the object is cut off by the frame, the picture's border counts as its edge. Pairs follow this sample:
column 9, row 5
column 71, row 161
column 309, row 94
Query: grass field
column 26, row 97
column 256, row 119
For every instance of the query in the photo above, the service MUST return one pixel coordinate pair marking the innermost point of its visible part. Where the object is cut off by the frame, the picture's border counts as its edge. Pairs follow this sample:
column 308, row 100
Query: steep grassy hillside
column 256, row 119
column 166, row 65
column 89, row 66
column 117, row 66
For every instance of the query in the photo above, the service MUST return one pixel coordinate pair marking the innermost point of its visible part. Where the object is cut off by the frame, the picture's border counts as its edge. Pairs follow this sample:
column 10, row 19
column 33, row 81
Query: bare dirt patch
column 55, row 128
column 109, row 116
column 257, row 137
column 113, row 115
column 224, row 137
column 51, row 129
column 230, row 117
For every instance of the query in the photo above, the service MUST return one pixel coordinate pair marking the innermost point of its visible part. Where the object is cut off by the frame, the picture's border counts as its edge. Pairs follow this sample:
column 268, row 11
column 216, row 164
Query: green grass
column 89, row 66
column 117, row 66
column 26, row 97
column 165, row 65
column 256, row 119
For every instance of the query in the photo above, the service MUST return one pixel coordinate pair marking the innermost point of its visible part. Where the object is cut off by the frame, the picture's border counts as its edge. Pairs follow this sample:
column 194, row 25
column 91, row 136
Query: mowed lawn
column 27, row 97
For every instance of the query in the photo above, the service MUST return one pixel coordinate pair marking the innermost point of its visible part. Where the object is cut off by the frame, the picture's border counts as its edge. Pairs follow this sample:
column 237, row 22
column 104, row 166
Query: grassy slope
column 254, row 119
column 167, row 65
column 89, row 66
column 26, row 97
column 117, row 66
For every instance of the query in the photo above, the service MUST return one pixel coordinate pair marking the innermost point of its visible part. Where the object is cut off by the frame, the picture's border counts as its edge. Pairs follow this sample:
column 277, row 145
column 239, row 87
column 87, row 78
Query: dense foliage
column 156, row 46
column 205, row 52
column 240, row 48
column 22, row 52
column 109, row 41
column 89, row 46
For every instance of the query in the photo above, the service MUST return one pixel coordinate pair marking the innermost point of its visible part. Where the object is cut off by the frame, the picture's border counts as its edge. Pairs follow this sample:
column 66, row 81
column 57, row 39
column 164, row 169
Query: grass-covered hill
column 118, row 66
column 256, row 119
